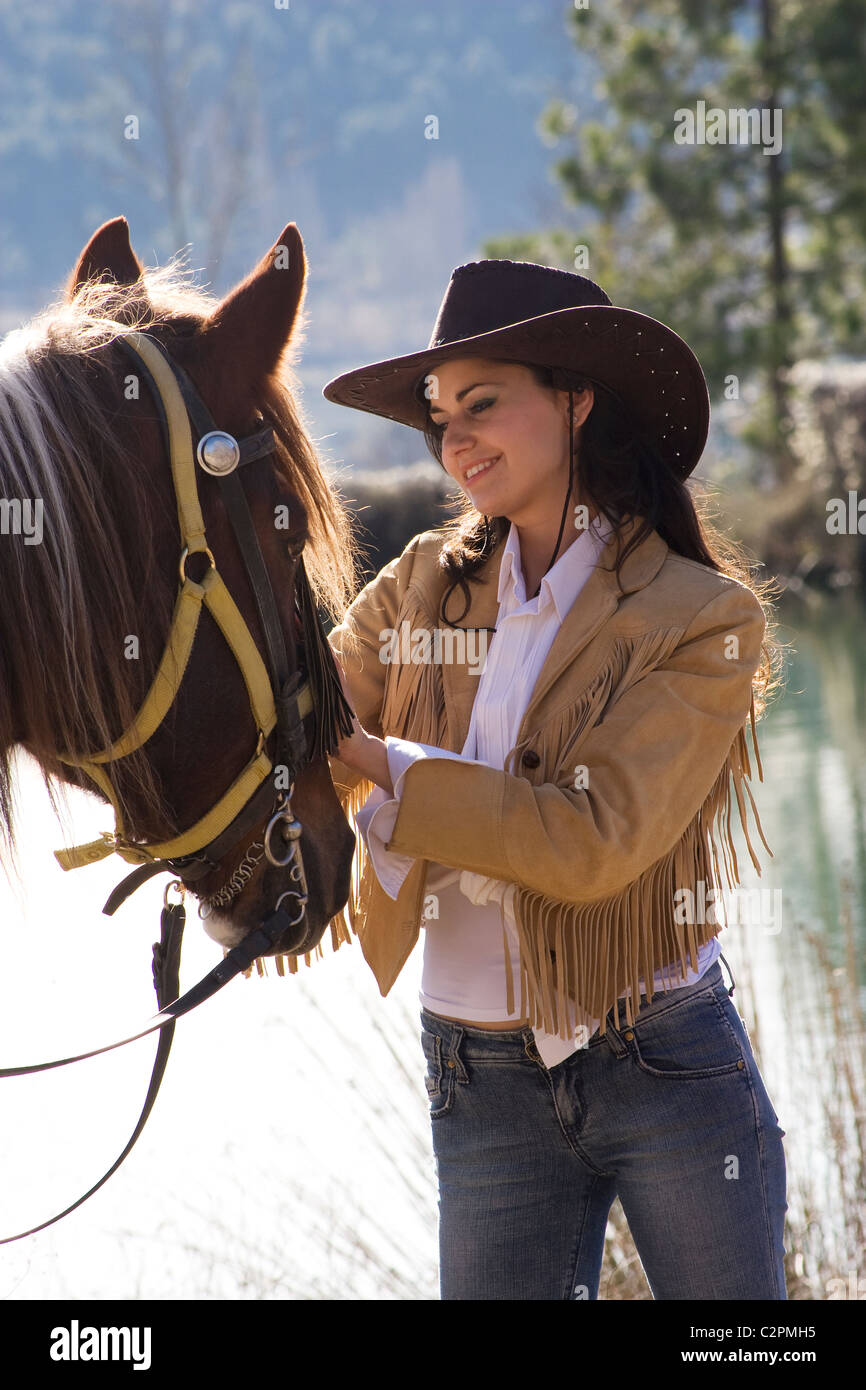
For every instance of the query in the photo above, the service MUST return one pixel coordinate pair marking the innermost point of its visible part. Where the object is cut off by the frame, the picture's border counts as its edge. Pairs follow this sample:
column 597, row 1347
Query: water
column 288, row 1155
column 811, row 1050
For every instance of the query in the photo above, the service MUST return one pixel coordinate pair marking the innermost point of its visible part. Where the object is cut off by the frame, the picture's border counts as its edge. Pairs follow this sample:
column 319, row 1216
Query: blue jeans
column 671, row 1116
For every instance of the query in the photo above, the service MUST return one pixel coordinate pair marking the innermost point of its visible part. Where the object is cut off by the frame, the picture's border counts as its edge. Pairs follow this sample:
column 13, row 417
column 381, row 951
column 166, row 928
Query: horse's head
column 94, row 647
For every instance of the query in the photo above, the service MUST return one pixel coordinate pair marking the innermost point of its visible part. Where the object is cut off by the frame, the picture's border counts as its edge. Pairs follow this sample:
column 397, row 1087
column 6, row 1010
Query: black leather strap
column 166, row 967
column 256, row 446
column 118, row 896
column 256, row 943
column 235, row 502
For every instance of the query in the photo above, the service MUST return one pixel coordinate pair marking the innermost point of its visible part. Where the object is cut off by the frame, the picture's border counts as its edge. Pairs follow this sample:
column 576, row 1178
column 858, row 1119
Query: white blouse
column 469, row 919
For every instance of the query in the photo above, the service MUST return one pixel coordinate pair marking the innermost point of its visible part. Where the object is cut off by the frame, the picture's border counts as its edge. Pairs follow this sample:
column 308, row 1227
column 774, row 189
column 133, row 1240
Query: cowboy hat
column 534, row 313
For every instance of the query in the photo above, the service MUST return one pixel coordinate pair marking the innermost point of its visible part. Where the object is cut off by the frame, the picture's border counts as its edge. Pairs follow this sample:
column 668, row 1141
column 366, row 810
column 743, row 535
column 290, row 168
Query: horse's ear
column 253, row 325
column 108, row 255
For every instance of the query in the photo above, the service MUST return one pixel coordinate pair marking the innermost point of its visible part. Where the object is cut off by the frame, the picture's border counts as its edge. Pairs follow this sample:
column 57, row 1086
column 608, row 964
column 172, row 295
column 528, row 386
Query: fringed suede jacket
column 646, row 693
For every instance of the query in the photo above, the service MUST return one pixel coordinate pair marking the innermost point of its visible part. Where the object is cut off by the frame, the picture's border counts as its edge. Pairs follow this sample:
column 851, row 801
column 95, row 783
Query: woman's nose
column 460, row 437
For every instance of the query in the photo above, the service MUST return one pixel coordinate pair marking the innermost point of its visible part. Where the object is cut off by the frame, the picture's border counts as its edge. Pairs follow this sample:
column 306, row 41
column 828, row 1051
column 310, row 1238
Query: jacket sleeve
column 357, row 645
column 651, row 762
column 376, row 817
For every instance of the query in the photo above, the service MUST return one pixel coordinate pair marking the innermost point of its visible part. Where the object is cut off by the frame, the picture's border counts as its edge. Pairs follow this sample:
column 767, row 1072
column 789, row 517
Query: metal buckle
column 180, row 887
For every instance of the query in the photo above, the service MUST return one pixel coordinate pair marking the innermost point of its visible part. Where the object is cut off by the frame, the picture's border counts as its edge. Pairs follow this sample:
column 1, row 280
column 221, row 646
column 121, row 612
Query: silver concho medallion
column 218, row 453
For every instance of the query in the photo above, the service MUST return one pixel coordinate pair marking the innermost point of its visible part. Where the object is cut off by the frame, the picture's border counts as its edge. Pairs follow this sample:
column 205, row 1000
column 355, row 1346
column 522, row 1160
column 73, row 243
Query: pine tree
column 756, row 258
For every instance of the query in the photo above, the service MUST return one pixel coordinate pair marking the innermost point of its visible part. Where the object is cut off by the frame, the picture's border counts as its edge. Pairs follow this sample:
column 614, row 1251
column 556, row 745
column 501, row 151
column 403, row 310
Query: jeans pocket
column 439, row 1077
column 689, row 1041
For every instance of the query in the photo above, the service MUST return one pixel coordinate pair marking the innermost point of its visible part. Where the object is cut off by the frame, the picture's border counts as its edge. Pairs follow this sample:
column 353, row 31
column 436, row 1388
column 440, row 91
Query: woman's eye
column 475, row 409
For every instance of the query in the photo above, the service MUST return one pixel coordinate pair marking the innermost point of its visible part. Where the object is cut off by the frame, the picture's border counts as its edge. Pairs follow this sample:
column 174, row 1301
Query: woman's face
column 496, row 414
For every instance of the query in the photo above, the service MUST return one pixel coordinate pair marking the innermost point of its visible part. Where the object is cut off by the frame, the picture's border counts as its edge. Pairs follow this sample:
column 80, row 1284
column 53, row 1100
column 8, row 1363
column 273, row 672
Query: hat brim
column 646, row 364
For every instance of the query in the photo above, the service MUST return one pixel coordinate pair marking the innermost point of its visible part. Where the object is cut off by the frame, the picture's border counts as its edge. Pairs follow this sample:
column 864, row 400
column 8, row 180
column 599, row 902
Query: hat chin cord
column 568, row 493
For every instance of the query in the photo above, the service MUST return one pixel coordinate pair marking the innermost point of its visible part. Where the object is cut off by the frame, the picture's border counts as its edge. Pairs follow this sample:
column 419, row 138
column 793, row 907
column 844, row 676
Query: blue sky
column 328, row 104
column 279, row 1077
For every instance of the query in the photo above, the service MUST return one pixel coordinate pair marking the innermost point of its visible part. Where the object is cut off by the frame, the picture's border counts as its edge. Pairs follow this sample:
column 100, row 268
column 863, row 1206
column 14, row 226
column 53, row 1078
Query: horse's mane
column 70, row 601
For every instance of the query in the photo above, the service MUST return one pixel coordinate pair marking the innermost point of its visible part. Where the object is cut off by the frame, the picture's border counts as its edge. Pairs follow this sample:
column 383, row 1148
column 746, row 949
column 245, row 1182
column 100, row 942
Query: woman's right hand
column 362, row 751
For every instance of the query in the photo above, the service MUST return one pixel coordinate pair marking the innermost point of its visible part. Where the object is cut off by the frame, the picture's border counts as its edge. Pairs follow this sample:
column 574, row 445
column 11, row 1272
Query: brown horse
column 90, row 549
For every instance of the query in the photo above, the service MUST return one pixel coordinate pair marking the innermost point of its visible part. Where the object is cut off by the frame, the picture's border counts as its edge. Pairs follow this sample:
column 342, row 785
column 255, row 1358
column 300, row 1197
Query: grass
column 823, row 1068
column 329, row 1237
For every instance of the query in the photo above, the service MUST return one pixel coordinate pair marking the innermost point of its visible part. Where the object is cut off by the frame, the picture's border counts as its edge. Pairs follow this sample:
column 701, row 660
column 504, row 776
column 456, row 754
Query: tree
column 193, row 86
column 756, row 258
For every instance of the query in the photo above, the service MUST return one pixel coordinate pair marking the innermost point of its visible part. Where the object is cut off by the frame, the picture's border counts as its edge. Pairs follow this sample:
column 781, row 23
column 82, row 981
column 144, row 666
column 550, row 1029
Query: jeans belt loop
column 454, row 1060
column 612, row 1034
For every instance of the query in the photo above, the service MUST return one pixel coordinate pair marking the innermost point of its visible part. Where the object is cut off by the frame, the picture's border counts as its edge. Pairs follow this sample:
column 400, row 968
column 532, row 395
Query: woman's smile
column 478, row 469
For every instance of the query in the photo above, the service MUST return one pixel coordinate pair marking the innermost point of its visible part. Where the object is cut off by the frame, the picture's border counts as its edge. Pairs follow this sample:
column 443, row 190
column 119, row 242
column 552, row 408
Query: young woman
column 537, row 780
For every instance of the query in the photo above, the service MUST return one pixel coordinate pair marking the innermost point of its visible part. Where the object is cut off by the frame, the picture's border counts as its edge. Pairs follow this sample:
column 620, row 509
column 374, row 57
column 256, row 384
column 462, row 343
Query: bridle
column 277, row 700
column 304, row 711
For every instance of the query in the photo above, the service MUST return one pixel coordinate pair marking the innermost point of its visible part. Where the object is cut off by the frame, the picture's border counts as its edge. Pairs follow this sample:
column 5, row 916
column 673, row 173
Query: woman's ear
column 583, row 398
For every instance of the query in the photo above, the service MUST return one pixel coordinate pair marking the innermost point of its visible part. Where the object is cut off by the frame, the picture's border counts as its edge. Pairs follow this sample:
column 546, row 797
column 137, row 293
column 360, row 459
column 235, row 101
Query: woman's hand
column 362, row 751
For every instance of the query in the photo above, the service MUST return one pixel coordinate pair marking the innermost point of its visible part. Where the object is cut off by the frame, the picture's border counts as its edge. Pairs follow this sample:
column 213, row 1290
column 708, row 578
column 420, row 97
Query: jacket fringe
column 576, row 958
column 413, row 707
column 414, row 702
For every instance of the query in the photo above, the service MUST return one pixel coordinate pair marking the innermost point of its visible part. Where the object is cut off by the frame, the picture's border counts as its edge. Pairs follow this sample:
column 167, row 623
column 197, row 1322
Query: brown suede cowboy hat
column 534, row 313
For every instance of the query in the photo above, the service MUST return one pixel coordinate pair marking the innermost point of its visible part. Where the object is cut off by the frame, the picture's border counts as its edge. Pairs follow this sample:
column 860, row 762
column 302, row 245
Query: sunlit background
column 289, row 1153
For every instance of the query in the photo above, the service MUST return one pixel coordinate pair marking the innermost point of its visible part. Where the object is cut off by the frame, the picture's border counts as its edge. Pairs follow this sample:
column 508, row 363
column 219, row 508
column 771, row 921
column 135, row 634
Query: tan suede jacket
column 642, row 703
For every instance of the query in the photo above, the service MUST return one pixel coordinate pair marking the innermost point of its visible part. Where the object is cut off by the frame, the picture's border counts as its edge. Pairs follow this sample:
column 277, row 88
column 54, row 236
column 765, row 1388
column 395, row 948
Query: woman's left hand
column 362, row 751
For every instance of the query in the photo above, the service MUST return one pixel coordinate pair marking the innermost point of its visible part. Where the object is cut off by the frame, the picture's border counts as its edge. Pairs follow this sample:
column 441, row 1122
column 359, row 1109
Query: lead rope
column 166, row 971
column 166, row 981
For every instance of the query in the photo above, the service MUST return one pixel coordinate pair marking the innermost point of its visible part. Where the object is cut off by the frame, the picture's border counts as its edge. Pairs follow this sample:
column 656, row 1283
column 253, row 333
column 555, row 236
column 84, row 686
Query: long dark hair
column 620, row 475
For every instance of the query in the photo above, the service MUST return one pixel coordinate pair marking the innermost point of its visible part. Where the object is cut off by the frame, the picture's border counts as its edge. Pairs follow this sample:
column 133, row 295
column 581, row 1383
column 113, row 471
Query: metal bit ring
column 292, row 832
column 302, row 904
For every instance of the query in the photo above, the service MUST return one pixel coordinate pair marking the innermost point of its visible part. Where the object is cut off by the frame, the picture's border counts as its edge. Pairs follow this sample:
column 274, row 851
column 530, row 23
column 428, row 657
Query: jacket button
column 628, row 1036
column 530, row 758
